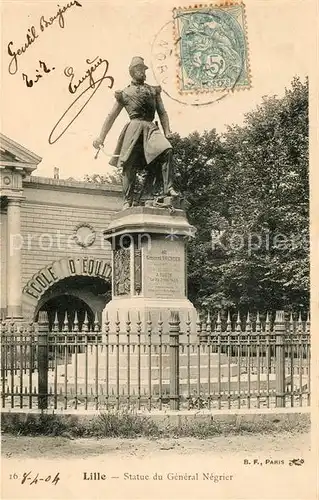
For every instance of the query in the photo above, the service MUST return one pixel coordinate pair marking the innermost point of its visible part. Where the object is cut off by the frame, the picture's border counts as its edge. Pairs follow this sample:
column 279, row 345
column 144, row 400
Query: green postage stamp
column 211, row 48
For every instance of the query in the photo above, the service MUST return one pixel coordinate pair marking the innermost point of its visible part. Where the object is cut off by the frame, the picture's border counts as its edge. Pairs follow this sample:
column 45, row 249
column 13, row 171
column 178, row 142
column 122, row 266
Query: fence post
column 279, row 331
column 174, row 330
column 43, row 363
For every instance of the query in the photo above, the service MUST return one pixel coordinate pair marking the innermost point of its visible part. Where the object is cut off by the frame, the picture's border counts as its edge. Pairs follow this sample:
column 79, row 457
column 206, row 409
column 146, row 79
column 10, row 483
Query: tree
column 201, row 175
column 114, row 177
column 259, row 199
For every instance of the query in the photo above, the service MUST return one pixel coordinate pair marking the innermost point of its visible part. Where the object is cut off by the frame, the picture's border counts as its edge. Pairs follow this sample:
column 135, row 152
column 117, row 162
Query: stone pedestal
column 149, row 276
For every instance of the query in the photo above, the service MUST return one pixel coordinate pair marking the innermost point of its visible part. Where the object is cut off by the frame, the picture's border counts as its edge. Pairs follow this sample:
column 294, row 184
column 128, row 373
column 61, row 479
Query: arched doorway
column 64, row 309
column 83, row 296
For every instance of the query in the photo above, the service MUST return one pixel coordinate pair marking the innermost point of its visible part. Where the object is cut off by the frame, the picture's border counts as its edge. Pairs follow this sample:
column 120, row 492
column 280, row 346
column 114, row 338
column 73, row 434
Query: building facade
column 53, row 253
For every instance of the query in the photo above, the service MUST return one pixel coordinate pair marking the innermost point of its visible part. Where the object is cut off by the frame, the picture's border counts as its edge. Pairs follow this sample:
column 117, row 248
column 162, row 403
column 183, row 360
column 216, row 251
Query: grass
column 128, row 424
column 112, row 424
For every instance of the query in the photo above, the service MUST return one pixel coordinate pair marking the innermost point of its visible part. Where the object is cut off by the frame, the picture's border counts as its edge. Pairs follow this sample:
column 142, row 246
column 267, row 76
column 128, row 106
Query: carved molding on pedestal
column 137, row 271
column 122, row 271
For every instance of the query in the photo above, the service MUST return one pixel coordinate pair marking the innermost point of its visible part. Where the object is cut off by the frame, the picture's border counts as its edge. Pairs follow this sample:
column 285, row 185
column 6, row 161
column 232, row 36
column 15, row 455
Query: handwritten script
column 32, row 35
column 79, row 104
column 93, row 76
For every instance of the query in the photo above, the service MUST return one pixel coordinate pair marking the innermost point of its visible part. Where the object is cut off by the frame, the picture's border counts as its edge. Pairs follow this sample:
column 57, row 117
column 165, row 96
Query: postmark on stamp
column 211, row 48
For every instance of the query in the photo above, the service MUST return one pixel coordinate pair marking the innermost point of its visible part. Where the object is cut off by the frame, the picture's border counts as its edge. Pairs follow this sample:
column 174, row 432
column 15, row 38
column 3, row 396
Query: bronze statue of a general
column 141, row 144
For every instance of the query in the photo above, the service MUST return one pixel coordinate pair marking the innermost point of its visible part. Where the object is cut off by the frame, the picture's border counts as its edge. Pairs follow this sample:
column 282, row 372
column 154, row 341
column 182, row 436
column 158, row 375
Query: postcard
column 158, row 299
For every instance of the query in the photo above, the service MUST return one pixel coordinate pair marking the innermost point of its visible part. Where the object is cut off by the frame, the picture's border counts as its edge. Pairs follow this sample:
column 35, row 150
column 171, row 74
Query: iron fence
column 217, row 365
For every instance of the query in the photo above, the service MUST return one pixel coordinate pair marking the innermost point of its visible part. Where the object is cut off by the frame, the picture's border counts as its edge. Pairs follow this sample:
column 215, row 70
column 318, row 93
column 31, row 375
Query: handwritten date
column 43, row 68
column 30, row 478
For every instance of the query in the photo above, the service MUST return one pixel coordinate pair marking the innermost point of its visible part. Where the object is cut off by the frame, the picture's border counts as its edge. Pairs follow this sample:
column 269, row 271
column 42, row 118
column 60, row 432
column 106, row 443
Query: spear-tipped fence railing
column 218, row 362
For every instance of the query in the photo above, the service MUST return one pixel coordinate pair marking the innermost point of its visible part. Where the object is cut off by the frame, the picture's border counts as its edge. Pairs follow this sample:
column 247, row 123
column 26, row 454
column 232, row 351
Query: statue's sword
column 106, row 154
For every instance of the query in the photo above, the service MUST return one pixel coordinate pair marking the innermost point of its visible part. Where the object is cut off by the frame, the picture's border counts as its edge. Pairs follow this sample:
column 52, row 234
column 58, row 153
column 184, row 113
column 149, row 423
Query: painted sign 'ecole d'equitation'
column 65, row 268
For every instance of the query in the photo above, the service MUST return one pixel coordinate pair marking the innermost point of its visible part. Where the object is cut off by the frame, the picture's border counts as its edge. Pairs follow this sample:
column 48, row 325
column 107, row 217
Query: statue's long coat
column 140, row 135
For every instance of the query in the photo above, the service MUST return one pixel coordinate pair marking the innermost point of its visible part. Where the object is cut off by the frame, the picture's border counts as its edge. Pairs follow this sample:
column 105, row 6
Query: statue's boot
column 126, row 204
column 172, row 192
column 167, row 173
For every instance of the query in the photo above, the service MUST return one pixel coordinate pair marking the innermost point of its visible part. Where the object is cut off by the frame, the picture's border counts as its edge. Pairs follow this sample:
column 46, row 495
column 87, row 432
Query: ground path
column 222, row 456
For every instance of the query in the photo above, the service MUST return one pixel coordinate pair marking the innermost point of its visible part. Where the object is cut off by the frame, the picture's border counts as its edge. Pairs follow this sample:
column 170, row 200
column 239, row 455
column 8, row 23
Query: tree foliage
column 250, row 187
column 114, row 177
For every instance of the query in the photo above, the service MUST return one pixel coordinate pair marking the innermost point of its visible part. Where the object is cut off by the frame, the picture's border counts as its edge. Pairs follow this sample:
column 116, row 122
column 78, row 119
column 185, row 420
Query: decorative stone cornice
column 10, row 183
column 16, row 162
column 15, row 198
column 13, row 155
column 149, row 220
column 70, row 184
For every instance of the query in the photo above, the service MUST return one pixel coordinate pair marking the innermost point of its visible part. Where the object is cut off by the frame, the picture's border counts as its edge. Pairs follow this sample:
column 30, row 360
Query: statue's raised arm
column 141, row 145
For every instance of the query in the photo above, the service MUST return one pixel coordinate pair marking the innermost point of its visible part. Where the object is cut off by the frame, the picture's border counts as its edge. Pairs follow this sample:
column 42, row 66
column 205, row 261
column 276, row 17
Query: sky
column 280, row 37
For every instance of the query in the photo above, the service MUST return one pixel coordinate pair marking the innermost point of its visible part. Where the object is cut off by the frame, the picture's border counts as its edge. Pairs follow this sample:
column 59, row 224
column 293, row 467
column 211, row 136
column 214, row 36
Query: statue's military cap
column 137, row 61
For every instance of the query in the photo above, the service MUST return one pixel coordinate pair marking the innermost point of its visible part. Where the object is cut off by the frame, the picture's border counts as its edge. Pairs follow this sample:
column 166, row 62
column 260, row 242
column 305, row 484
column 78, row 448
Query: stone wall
column 3, row 261
column 51, row 214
